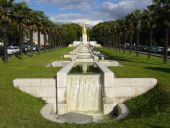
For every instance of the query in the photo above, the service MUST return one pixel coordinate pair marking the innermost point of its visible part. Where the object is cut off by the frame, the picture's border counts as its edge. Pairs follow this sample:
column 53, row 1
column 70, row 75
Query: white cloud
column 91, row 11
column 122, row 8
column 69, row 4
column 89, row 22
column 74, row 18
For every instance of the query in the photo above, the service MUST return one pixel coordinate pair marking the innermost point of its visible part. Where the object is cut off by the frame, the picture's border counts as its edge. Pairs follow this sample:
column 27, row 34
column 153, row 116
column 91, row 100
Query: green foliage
column 154, row 101
column 72, row 32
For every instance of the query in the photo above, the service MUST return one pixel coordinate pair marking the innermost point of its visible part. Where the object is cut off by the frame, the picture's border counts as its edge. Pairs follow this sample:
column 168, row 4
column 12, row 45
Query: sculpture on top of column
column 84, row 34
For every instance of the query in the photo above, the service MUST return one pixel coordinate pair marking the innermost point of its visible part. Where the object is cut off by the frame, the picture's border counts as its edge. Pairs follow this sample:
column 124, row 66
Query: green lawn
column 20, row 110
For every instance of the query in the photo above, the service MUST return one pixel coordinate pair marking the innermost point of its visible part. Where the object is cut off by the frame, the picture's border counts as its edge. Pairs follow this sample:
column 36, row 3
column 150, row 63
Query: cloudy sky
column 89, row 11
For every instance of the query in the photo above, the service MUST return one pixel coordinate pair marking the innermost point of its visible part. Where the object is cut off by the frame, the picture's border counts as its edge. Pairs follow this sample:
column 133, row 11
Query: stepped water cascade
column 83, row 93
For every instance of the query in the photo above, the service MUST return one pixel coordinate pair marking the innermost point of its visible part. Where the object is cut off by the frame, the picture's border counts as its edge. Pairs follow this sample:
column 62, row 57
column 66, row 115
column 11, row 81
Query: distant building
column 35, row 38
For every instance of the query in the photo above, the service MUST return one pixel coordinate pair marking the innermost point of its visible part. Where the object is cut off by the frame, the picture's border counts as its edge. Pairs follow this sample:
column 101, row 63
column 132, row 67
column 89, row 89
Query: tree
column 20, row 18
column 136, row 19
column 31, row 25
column 131, row 29
column 150, row 16
column 5, row 21
column 40, row 16
column 44, row 30
column 163, row 7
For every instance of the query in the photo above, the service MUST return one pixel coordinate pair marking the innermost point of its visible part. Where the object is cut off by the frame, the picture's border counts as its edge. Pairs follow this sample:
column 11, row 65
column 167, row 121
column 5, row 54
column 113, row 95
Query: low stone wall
column 61, row 87
column 44, row 88
column 118, row 90
column 108, row 80
column 59, row 63
column 126, row 88
column 109, row 63
column 108, row 75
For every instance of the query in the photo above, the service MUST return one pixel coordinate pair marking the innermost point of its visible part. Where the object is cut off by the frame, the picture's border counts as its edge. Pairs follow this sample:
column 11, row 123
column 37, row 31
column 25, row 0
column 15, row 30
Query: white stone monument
column 85, row 40
column 84, row 35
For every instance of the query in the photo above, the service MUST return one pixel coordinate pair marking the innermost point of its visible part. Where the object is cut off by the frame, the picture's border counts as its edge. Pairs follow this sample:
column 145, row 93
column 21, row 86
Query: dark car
column 145, row 48
column 34, row 48
column 159, row 50
column 26, row 48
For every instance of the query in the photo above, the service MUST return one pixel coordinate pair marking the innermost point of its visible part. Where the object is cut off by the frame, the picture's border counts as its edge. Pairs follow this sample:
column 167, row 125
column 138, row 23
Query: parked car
column 35, row 48
column 168, row 49
column 145, row 48
column 159, row 50
column 26, row 48
column 11, row 50
column 17, row 50
column 153, row 49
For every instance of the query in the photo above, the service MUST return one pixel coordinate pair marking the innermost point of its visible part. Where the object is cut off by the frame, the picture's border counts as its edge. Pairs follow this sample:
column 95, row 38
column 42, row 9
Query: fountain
column 85, row 90
column 83, row 93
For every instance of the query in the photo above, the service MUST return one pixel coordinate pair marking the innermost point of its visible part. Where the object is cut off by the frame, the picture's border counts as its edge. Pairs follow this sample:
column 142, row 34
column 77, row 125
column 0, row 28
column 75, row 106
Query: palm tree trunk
column 113, row 42
column 119, row 42
column 5, row 57
column 39, row 45
column 31, row 40
column 150, row 43
column 55, row 41
column 131, row 39
column 49, row 40
column 112, row 39
column 45, row 41
column 166, row 45
column 137, row 43
column 21, row 39
column 59, row 42
column 124, row 43
column 116, row 41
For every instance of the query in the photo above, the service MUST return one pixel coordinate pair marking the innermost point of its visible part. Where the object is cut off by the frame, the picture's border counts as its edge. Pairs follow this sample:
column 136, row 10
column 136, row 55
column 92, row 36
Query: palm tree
column 163, row 8
column 119, row 34
column 131, row 29
column 45, row 30
column 136, row 18
column 19, row 14
column 116, row 35
column 125, row 29
column 40, row 16
column 31, row 25
column 5, row 21
column 151, row 19
column 51, row 31
column 165, row 11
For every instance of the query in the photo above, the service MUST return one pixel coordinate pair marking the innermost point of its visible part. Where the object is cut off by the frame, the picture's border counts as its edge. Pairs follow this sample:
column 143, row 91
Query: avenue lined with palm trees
column 19, row 18
column 141, row 27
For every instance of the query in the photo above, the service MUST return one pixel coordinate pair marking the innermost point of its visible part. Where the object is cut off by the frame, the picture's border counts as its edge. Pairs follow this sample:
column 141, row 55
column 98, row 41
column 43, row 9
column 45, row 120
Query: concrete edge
column 47, row 113
column 123, row 112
